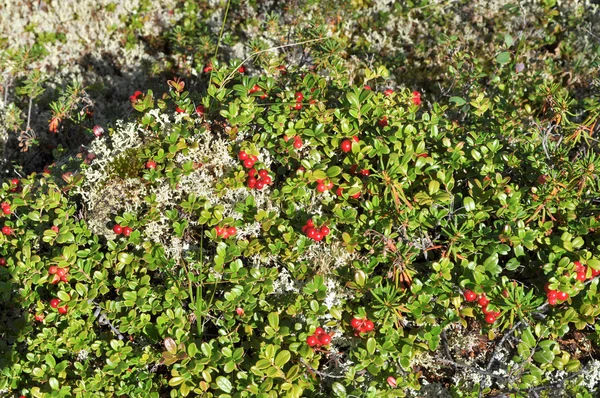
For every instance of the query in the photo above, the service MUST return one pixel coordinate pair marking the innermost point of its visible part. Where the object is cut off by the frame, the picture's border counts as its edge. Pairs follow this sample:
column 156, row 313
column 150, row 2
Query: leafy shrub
column 440, row 216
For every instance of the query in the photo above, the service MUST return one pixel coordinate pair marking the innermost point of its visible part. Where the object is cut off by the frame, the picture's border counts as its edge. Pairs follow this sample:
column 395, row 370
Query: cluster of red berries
column 15, row 185
column 60, row 274
column 256, row 88
column 259, row 183
column 248, row 159
column 5, row 208
column 118, row 229
column 134, row 98
column 339, row 192
column 299, row 98
column 54, row 303
column 554, row 296
column 483, row 301
column 318, row 338
column 362, row 325
column 416, row 99
column 316, row 234
column 581, row 274
column 297, row 141
column 225, row 232
column 346, row 145
column 322, row 186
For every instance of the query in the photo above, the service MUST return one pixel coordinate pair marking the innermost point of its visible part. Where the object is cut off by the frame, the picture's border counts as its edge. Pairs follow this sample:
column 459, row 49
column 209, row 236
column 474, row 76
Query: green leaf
column 274, row 320
column 338, row 389
column 224, row 384
column 282, row 358
column 53, row 383
column 458, row 101
column 503, row 58
column 170, row 345
column 333, row 171
column 175, row 381
column 543, row 356
column 371, row 344
column 469, row 203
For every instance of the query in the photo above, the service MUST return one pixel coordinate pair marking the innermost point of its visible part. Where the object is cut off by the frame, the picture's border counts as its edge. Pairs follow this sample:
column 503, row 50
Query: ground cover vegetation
column 304, row 199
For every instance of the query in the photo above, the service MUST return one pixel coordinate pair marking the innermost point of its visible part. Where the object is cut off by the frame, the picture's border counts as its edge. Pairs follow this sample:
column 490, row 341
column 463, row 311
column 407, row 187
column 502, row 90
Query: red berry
column 581, row 277
column 416, row 98
column 298, row 106
column 356, row 323
column 39, row 318
column 117, row 229
column 61, row 272
column 319, row 331
column 14, row 181
column 299, row 96
column 2, row 261
column 219, row 230
column 329, row 185
column 297, row 143
column 63, row 310
column 200, row 110
column 242, row 69
column 365, row 172
column 248, row 163
column 242, row 155
column 127, row 231
column 260, row 184
column 552, row 294
column 54, row 228
column 54, row 302
column 263, row 173
column 311, row 232
column 98, row 131
column 231, row 231
column 55, row 279
column 151, row 164
column 367, row 87
column 324, row 230
column 179, row 110
column 346, row 146
column 312, row 341
column 483, row 301
column 310, row 222
column 562, row 296
column 267, row 180
column 388, row 92
column 6, row 230
column 578, row 266
column 595, row 272
column 324, row 339
column 208, row 68
column 252, row 172
column 490, row 318
column 239, row 311
column 470, row 296
column 391, row 380
column 321, row 187
column 318, row 236
column 251, row 182
column 368, row 325
column 552, row 301
column 356, row 195
column 383, row 121
column 6, row 210
column 338, row 192
column 64, row 279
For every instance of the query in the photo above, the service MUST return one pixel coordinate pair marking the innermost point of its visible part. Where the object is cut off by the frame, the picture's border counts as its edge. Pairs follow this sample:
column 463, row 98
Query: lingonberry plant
column 284, row 223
